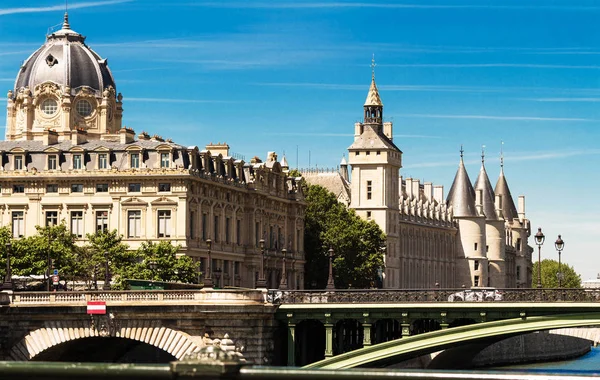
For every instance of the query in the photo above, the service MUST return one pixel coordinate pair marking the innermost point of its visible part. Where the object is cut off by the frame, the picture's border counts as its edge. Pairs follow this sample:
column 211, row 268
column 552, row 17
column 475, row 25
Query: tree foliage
column 570, row 278
column 158, row 262
column 103, row 246
column 358, row 244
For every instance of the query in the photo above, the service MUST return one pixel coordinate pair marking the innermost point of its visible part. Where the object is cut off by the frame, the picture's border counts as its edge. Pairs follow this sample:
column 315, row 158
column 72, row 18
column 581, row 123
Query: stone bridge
column 164, row 325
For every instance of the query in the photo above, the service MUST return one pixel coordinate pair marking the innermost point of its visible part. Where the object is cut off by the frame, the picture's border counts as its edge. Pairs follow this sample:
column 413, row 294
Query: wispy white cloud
column 566, row 100
column 474, row 65
column 494, row 117
column 53, row 8
column 361, row 87
column 514, row 157
column 320, row 134
column 7, row 79
column 169, row 100
column 15, row 52
column 343, row 4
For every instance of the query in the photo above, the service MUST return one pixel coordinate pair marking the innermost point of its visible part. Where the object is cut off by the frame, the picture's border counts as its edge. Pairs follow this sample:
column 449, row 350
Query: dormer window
column 52, row 162
column 165, row 160
column 19, row 162
column 134, row 161
column 77, row 162
column 103, row 161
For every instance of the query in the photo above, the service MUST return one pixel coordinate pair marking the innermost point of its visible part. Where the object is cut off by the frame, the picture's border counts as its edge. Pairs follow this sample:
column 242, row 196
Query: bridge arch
column 443, row 339
column 174, row 342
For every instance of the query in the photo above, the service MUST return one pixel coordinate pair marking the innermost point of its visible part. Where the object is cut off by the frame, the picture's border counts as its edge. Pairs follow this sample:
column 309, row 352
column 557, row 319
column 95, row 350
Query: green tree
column 570, row 278
column 102, row 246
column 159, row 262
column 5, row 238
column 357, row 244
column 51, row 246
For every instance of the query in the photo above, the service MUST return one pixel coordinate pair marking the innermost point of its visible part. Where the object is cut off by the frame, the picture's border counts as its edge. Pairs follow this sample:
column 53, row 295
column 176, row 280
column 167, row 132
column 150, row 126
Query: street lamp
column 218, row 277
column 262, row 283
column 208, row 282
column 106, row 285
column 330, row 283
column 559, row 244
column 283, row 285
column 7, row 285
column 539, row 240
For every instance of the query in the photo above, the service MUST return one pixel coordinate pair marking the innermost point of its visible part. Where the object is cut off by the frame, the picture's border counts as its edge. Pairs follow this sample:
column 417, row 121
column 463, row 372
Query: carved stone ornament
column 10, row 94
column 51, row 60
column 47, row 88
column 86, row 92
column 105, row 325
column 109, row 93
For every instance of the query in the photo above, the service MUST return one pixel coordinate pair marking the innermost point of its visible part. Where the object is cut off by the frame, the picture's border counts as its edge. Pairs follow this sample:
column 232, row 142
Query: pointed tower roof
column 343, row 162
column 462, row 195
column 284, row 164
column 483, row 184
column 508, row 205
column 373, row 98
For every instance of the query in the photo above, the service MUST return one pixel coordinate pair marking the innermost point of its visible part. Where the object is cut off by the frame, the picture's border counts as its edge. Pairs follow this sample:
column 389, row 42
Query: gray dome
column 67, row 61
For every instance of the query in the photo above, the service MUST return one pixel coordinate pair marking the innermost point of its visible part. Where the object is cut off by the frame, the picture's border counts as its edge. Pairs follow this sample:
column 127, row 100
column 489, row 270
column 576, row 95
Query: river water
column 590, row 362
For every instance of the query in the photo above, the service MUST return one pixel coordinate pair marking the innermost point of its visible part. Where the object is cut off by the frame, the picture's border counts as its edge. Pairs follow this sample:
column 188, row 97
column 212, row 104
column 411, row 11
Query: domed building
column 67, row 157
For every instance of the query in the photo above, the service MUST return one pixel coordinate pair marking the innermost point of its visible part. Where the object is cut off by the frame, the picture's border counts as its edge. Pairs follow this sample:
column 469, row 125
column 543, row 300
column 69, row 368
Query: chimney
column 428, row 188
column 387, row 130
column 218, row 148
column 438, row 193
column 50, row 137
column 416, row 190
column 126, row 135
column 409, row 188
column 144, row 136
column 78, row 136
column 521, row 208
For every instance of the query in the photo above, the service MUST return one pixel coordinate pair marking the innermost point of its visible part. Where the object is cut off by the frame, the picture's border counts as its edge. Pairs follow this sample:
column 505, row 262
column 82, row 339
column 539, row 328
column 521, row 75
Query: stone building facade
column 66, row 156
column 475, row 237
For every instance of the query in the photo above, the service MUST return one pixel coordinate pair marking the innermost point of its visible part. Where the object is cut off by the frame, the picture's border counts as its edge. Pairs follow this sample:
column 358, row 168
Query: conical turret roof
column 284, row 162
column 462, row 195
column 508, row 205
column 487, row 198
column 373, row 98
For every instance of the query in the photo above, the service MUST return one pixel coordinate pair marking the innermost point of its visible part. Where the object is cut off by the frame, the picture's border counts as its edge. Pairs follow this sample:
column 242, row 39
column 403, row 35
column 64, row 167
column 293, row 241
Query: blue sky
column 291, row 76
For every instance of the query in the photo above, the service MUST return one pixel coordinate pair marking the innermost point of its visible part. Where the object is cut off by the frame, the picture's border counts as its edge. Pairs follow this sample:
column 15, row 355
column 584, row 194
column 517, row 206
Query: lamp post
column 217, row 284
column 208, row 282
column 283, row 285
column 106, row 285
column 49, row 267
column 559, row 244
column 539, row 240
column 330, row 283
column 7, row 285
column 262, row 283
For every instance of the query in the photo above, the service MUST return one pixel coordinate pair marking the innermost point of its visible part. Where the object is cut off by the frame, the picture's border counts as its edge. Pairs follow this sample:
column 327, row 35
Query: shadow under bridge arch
column 173, row 342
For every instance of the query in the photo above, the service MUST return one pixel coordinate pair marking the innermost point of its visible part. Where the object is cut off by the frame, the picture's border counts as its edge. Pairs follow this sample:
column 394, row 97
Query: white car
column 476, row 295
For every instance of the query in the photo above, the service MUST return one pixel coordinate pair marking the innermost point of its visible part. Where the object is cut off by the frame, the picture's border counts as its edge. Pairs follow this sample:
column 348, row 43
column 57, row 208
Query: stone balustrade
column 245, row 296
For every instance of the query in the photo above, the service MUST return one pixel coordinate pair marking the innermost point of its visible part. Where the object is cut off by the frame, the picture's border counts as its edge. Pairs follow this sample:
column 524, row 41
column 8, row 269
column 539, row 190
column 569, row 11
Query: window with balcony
column 77, row 188
column 18, row 188
column 164, row 187
column 52, row 188
column 102, row 187
column 135, row 187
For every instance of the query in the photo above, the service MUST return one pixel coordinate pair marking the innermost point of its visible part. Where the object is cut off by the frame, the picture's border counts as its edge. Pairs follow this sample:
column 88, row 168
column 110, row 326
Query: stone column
column 328, row 336
column 366, row 330
column 291, row 359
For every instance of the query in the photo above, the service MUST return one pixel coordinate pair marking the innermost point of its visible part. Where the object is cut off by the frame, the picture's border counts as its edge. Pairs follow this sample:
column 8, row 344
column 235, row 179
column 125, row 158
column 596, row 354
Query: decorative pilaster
column 291, row 359
column 405, row 325
column 366, row 330
column 328, row 336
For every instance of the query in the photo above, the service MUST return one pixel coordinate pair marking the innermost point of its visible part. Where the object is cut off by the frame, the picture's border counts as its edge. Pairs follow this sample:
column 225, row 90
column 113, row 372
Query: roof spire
column 462, row 151
column 501, row 155
column 66, row 21
column 482, row 154
column 373, row 64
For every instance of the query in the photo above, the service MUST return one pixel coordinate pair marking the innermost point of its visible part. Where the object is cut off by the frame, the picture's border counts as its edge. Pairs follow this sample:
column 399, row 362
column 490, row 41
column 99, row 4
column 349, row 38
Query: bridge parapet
column 433, row 295
column 226, row 296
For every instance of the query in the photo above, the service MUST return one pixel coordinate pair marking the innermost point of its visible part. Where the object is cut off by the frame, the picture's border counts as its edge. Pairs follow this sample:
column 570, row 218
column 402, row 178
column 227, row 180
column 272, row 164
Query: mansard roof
column 487, row 198
column 462, row 195
column 32, row 146
column 508, row 205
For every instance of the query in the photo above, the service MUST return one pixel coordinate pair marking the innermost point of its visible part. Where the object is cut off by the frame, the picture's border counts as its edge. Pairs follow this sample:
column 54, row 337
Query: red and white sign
column 55, row 280
column 96, row 307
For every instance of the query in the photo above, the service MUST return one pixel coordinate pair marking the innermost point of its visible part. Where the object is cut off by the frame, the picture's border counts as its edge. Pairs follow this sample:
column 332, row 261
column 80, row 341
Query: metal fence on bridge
column 433, row 295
